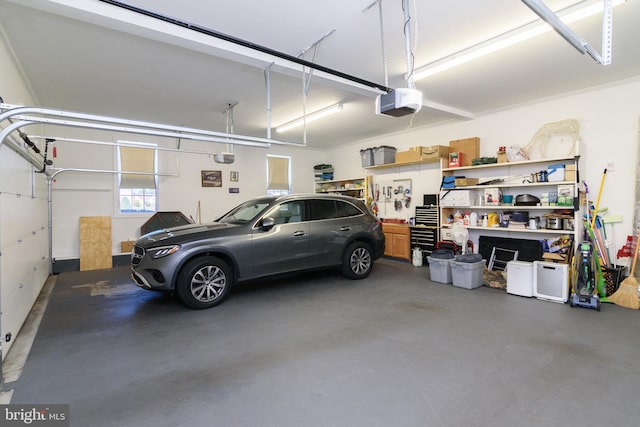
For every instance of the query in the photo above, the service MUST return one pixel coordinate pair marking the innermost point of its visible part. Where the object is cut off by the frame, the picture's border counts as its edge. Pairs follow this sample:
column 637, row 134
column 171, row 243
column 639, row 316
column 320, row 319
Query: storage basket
column 612, row 278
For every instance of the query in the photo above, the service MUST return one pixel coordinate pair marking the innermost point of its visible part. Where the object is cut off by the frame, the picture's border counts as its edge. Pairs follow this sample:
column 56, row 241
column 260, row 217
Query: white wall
column 92, row 194
column 24, row 259
column 608, row 119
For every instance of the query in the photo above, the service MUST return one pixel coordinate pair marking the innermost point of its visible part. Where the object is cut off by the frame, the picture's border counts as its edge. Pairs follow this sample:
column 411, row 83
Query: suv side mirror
column 267, row 223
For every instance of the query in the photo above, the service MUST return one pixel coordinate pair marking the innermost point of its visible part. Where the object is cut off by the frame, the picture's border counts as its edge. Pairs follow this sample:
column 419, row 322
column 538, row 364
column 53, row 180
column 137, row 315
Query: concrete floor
column 319, row 350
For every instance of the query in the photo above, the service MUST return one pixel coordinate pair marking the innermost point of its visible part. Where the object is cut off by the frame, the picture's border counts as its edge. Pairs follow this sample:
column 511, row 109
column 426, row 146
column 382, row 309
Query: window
column 137, row 191
column 278, row 175
column 323, row 209
column 288, row 212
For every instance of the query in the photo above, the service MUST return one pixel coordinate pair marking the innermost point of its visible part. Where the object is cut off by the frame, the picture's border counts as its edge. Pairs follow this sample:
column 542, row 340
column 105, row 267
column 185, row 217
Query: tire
column 204, row 282
column 357, row 261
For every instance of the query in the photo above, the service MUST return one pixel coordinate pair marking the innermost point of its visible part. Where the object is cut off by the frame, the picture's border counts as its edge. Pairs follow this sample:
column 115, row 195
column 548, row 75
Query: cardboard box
column 570, row 174
column 492, row 196
column 407, row 156
column 565, row 195
column 469, row 147
column 432, row 152
column 455, row 159
column 126, row 246
column 461, row 182
column 417, row 154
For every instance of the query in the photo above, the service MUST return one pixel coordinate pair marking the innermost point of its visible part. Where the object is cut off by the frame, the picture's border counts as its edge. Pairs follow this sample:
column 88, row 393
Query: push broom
column 627, row 293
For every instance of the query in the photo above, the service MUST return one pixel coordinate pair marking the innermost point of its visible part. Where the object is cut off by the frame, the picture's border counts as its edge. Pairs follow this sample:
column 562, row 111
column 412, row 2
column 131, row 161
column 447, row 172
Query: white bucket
column 417, row 257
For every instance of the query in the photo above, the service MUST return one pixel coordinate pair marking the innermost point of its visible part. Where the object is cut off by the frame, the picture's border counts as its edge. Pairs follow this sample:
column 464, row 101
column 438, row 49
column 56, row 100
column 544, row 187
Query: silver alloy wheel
column 360, row 261
column 208, row 283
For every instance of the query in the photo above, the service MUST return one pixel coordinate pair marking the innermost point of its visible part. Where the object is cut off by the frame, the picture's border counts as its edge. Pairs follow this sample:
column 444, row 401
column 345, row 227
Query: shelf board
column 338, row 181
column 396, row 165
column 520, row 185
column 509, row 207
column 516, row 230
column 341, row 190
column 508, row 164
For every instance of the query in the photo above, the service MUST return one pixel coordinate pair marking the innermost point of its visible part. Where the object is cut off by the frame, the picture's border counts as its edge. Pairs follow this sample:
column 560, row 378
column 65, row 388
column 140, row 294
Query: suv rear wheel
column 204, row 282
column 357, row 262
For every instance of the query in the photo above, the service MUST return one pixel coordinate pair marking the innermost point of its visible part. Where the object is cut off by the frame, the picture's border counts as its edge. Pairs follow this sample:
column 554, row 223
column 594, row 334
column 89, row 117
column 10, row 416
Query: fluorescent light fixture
column 566, row 16
column 310, row 117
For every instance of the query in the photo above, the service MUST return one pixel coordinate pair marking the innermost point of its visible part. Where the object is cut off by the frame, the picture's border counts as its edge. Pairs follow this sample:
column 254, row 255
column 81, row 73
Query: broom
column 627, row 293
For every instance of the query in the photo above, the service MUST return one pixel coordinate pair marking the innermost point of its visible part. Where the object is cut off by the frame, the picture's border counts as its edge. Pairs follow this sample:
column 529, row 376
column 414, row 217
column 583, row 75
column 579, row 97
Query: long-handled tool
column 593, row 218
column 627, row 293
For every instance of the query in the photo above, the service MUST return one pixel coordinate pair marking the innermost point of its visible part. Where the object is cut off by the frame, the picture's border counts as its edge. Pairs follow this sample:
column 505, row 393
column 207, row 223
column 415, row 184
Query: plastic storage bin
column 367, row 157
column 467, row 271
column 384, row 154
column 440, row 269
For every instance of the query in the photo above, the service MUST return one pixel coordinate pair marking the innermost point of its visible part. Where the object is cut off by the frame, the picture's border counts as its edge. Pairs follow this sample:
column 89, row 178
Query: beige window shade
column 278, row 173
column 137, row 160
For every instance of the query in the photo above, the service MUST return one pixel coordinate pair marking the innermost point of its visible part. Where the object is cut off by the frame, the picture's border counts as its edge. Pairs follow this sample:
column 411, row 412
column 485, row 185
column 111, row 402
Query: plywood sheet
column 95, row 242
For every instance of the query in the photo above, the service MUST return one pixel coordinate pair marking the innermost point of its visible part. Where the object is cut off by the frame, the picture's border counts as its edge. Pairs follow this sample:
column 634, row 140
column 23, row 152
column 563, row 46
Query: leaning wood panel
column 95, row 242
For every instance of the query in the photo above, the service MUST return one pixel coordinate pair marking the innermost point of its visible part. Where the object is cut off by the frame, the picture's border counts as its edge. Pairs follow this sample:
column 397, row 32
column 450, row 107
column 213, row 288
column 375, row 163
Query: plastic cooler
column 467, row 271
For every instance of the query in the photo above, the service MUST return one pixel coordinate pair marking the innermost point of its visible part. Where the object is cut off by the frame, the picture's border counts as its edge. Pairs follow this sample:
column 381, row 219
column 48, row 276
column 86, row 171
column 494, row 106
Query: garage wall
column 608, row 117
column 92, row 194
column 24, row 245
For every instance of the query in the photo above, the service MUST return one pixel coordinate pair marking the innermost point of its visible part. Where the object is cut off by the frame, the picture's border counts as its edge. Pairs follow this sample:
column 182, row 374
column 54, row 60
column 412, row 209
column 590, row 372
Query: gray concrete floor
column 318, row 350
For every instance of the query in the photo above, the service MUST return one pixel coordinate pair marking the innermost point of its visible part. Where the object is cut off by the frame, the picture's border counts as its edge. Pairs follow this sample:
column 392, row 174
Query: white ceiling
column 86, row 55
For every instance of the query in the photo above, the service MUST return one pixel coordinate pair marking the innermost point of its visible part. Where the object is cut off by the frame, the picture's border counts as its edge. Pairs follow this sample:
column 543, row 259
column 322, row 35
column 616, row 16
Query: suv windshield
column 245, row 212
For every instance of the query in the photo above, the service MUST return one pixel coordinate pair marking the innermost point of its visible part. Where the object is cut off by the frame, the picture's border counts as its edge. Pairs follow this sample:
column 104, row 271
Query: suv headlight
column 163, row 251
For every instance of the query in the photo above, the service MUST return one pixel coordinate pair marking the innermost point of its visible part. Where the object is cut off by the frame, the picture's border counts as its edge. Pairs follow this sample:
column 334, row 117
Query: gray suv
column 262, row 237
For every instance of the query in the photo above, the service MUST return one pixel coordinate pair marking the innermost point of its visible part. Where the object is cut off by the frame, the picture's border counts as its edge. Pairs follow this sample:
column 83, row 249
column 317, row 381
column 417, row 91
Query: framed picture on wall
column 212, row 178
column 234, row 176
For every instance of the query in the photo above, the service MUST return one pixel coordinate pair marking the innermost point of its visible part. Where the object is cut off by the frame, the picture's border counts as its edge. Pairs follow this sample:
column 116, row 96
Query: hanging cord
column 384, row 55
column 409, row 50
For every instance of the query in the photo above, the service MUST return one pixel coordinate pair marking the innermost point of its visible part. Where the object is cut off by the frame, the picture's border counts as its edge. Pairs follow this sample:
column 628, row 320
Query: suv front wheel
column 357, row 262
column 204, row 282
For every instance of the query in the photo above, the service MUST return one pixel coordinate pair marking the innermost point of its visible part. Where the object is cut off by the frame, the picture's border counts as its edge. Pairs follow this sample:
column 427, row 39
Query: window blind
column 278, row 173
column 137, row 160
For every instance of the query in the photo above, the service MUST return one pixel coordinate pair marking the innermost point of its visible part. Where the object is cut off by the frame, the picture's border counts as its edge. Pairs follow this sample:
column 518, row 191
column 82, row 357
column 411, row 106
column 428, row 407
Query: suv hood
column 181, row 233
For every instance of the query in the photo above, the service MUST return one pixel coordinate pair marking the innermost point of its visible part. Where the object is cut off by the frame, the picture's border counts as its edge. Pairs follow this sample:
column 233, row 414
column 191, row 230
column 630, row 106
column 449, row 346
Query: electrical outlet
column 611, row 166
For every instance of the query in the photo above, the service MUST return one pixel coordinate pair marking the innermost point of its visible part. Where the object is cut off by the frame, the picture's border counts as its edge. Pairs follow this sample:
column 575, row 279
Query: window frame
column 279, row 192
column 118, row 212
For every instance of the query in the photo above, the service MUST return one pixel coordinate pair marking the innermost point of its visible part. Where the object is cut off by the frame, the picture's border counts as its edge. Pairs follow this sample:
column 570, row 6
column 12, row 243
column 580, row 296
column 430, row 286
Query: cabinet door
column 401, row 246
column 388, row 245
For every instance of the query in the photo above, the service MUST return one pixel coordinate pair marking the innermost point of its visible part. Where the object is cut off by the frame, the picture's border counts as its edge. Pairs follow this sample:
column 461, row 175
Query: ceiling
column 90, row 56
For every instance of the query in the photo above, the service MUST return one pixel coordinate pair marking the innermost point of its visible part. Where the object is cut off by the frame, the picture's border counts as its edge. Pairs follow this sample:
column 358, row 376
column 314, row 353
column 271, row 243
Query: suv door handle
column 299, row 233
column 345, row 228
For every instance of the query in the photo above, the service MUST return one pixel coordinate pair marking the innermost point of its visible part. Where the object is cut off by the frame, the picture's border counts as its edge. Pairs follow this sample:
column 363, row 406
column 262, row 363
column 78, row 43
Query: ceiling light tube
column 310, row 117
column 568, row 15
